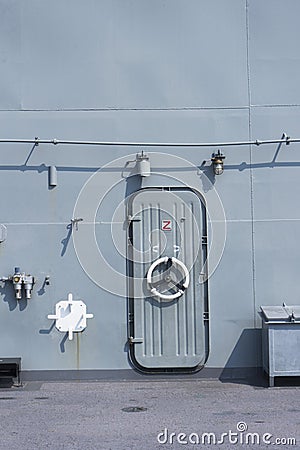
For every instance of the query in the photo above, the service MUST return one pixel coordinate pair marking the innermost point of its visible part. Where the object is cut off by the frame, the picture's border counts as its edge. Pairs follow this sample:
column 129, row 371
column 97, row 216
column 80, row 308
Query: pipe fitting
column 19, row 280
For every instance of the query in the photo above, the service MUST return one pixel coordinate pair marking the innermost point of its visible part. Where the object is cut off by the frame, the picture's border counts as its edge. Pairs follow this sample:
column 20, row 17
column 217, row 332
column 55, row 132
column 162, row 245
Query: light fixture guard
column 217, row 162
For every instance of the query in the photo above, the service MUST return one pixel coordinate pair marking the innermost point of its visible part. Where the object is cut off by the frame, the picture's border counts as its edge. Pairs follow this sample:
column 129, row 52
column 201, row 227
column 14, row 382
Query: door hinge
column 130, row 317
column 131, row 219
column 206, row 315
column 204, row 240
column 133, row 340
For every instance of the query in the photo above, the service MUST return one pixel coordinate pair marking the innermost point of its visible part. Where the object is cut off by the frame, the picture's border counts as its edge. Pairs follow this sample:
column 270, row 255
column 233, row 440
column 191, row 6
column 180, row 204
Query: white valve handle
column 175, row 261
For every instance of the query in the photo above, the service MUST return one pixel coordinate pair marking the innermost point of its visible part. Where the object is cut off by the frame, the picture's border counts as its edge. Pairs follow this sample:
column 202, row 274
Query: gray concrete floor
column 130, row 415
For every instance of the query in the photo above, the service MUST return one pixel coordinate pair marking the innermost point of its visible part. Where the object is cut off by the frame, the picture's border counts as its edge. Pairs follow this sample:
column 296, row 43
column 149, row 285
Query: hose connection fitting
column 21, row 280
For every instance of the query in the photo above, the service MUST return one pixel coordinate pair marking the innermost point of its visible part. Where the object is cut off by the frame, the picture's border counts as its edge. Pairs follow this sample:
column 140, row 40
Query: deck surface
column 130, row 415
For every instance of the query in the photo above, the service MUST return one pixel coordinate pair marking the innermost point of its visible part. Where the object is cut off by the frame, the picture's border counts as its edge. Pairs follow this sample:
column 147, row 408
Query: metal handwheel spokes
column 154, row 282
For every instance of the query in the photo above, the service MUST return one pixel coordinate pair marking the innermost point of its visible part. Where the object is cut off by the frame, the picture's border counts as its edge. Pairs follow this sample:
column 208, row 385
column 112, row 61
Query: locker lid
column 281, row 313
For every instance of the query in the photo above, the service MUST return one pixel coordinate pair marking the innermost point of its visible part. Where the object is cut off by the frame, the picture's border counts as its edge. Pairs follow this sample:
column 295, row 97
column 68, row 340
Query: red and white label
column 166, row 225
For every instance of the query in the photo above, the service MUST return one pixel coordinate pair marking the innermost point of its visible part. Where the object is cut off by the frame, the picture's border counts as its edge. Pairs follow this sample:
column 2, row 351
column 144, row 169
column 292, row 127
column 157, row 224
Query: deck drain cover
column 134, row 409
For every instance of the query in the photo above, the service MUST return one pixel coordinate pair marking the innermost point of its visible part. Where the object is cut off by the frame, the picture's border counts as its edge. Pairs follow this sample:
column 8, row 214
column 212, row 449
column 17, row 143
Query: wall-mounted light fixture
column 217, row 162
column 142, row 165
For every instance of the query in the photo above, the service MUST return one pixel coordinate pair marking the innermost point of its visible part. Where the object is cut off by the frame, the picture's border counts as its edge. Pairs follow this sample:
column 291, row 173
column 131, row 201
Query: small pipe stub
column 52, row 176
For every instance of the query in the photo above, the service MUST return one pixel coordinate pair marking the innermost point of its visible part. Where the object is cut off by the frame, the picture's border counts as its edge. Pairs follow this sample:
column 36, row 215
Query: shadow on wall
column 8, row 294
column 244, row 365
column 65, row 241
column 49, row 330
column 207, row 176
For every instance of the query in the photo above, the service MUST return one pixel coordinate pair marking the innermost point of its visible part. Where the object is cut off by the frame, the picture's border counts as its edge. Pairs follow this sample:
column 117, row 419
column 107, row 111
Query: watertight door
column 167, row 294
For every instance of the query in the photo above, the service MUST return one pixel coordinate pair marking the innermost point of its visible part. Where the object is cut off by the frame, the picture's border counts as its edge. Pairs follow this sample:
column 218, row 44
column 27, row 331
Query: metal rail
column 284, row 140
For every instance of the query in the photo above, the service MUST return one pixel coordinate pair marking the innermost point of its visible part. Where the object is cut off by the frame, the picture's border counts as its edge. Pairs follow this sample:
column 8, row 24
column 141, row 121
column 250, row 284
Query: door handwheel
column 174, row 262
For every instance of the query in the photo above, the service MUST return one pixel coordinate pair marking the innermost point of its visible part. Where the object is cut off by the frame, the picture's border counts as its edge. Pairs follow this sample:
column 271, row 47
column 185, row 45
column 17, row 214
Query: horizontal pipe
column 37, row 141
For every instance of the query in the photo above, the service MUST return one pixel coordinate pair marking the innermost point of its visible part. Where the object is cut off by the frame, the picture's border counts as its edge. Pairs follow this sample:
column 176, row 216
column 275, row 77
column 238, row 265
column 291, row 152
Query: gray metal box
column 281, row 341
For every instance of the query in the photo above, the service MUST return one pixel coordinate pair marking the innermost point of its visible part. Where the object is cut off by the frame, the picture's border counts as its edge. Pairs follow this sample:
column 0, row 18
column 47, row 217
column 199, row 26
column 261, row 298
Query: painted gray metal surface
column 116, row 54
column 273, row 53
column 146, row 71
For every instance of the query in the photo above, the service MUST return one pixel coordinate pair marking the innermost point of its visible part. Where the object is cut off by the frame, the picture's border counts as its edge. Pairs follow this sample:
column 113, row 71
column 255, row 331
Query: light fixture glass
column 217, row 162
column 142, row 166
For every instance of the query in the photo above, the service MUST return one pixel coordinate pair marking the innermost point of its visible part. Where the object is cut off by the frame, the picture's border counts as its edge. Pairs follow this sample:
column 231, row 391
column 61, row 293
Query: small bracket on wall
column 286, row 138
column 75, row 222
